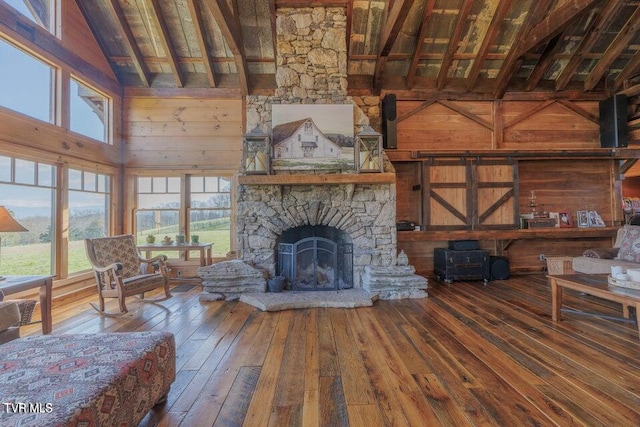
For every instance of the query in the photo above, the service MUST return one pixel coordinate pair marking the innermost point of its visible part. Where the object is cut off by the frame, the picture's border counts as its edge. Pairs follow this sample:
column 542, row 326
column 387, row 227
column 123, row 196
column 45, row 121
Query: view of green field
column 30, row 259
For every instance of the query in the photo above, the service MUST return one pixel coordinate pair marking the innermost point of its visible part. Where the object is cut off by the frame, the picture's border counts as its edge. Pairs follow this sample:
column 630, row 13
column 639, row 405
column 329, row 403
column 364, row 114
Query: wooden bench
column 87, row 379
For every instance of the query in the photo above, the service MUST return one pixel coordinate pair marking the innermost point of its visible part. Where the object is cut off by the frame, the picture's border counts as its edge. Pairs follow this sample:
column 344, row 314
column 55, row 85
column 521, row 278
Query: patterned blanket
column 84, row 380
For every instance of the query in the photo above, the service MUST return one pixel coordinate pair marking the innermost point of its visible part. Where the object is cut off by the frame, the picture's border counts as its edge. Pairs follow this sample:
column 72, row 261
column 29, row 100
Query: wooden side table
column 14, row 284
column 203, row 248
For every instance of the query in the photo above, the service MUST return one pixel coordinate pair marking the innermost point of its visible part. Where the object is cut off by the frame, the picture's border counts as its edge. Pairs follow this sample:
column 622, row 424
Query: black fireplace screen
column 316, row 264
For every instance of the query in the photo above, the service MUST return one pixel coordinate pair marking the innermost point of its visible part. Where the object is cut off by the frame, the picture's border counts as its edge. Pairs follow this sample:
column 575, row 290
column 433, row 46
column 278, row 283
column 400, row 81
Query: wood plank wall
column 183, row 133
column 484, row 125
column 437, row 127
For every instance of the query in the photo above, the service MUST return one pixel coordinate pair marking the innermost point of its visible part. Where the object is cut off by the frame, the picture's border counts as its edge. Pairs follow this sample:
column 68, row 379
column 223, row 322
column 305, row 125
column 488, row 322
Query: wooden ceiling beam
column 543, row 63
column 592, row 35
column 129, row 41
column 453, row 43
column 626, row 33
column 392, row 27
column 536, row 12
column 631, row 91
column 230, row 28
column 165, row 39
column 487, row 42
column 629, row 70
column 422, row 31
column 553, row 24
column 197, row 17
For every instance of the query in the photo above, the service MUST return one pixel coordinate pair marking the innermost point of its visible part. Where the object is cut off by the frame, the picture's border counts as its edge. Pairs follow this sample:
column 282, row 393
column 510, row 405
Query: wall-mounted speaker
column 389, row 122
column 613, row 122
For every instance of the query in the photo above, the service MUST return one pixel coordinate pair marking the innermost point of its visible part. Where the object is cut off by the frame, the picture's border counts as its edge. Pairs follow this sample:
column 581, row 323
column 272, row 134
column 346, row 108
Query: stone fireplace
column 343, row 223
column 361, row 217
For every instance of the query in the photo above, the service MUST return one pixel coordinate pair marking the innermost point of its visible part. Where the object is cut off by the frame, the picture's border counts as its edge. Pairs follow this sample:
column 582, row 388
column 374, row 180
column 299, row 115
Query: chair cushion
column 121, row 249
column 143, row 283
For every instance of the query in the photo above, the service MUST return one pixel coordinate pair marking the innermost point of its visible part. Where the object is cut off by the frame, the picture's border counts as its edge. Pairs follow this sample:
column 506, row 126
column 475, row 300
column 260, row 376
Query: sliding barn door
column 470, row 194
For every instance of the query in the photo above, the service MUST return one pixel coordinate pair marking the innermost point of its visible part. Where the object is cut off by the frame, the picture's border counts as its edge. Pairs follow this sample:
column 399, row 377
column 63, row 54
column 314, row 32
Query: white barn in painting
column 302, row 140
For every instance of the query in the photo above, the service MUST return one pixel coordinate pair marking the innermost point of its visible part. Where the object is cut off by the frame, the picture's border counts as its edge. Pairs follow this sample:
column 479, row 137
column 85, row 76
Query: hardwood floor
column 467, row 355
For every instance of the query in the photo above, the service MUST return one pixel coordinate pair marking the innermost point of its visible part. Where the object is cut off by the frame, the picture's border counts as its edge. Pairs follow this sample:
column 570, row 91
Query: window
column 158, row 210
column 28, row 192
column 27, row 85
column 39, row 11
column 88, row 111
column 210, row 212
column 88, row 214
column 207, row 210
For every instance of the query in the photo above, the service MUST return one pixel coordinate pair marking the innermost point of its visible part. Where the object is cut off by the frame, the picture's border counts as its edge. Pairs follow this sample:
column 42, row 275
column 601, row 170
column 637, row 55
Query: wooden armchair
column 120, row 271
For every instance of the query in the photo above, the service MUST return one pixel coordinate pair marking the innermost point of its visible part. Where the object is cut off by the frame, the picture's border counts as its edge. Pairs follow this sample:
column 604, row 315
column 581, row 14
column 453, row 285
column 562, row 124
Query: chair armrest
column 159, row 260
column 9, row 314
column 116, row 267
column 602, row 253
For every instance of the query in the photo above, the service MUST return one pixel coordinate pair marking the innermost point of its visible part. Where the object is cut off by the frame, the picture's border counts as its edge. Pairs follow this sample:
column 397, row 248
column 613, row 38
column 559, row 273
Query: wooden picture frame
column 565, row 219
column 556, row 216
column 583, row 219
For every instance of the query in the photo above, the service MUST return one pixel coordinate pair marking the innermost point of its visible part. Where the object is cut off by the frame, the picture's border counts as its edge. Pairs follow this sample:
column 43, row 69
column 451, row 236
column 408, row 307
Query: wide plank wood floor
column 467, row 355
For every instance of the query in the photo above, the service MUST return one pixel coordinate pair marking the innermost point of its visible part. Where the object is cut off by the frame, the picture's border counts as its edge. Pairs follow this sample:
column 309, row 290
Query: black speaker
column 389, row 123
column 499, row 267
column 613, row 122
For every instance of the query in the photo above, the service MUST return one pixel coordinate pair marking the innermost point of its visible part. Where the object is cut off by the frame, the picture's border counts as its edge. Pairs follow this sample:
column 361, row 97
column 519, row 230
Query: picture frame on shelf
column 583, row 219
column 595, row 220
column 556, row 216
column 565, row 219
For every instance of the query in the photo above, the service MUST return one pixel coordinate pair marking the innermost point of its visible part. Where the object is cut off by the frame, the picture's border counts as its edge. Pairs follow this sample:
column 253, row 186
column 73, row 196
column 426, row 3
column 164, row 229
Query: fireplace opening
column 315, row 258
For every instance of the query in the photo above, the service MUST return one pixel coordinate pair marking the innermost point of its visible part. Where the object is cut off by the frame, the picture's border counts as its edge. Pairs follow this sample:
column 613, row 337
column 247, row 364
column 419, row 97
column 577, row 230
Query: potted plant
column 151, row 239
column 195, row 238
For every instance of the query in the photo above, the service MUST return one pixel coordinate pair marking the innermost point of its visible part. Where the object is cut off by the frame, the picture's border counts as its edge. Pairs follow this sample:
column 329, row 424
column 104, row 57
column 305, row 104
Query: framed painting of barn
column 312, row 137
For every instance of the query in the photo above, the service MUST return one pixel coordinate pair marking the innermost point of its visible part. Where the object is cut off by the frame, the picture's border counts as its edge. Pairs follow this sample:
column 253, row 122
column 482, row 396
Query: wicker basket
column 559, row 265
column 623, row 283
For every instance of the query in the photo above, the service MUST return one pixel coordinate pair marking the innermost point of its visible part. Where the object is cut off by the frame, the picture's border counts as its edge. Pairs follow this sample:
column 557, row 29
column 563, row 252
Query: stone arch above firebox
column 365, row 212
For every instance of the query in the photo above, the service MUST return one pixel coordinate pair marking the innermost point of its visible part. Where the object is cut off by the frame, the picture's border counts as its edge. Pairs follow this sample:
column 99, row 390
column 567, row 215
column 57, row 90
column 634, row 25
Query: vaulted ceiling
column 464, row 48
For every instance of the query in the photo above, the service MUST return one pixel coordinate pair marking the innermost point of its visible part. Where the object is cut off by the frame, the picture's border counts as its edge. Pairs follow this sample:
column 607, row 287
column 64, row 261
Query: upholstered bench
column 88, row 379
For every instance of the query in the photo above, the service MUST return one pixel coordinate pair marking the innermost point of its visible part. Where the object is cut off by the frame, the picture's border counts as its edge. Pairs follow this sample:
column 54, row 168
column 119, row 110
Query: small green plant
column 151, row 238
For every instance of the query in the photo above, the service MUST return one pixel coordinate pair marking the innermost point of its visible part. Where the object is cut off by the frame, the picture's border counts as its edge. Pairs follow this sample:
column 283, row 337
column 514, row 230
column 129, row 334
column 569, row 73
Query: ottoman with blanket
column 110, row 379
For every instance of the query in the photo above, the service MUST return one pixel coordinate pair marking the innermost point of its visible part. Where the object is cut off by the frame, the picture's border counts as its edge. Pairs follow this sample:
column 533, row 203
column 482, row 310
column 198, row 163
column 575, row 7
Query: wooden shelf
column 313, row 179
column 516, row 234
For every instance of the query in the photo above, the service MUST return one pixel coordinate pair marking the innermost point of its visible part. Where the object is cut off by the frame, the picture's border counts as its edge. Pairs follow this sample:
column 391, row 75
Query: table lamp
column 8, row 225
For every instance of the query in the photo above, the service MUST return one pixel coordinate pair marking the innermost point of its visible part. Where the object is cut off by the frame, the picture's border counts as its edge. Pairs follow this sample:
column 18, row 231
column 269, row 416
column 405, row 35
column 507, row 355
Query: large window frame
column 24, row 172
column 46, row 18
column 183, row 204
column 63, row 108
column 82, row 105
column 85, row 189
column 15, row 102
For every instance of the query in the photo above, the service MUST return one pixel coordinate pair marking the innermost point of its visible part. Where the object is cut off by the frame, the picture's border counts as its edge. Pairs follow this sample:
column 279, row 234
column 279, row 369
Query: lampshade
column 7, row 223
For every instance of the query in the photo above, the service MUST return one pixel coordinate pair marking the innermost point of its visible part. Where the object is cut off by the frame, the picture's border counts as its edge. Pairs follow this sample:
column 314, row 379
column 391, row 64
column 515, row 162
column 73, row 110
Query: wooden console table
column 596, row 285
column 203, row 248
column 15, row 284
